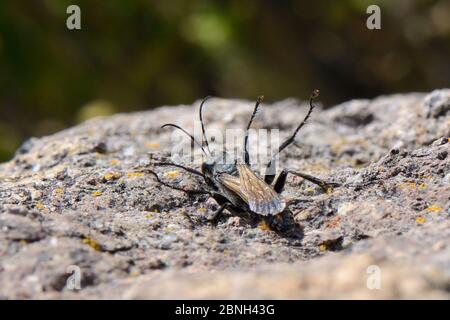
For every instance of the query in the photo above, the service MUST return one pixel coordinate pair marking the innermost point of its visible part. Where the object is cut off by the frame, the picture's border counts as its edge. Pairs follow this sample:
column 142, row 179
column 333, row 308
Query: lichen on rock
column 78, row 198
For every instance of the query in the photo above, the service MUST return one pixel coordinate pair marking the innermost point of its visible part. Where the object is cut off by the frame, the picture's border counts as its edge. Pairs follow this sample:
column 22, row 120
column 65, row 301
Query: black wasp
column 238, row 189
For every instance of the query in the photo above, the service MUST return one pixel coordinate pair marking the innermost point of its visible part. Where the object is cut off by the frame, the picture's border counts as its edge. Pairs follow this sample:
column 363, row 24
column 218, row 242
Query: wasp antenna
column 255, row 111
column 200, row 114
column 291, row 139
column 315, row 93
column 187, row 133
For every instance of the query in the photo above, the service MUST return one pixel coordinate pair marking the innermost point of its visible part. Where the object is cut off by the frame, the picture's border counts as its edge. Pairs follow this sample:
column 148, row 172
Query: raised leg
column 214, row 217
column 281, row 181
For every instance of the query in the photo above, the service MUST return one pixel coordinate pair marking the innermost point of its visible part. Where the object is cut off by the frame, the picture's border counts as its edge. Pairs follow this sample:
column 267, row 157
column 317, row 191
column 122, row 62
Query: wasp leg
column 172, row 164
column 281, row 181
column 188, row 191
column 215, row 216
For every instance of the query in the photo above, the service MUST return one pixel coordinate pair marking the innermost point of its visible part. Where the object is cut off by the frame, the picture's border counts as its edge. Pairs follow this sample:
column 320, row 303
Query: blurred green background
column 134, row 55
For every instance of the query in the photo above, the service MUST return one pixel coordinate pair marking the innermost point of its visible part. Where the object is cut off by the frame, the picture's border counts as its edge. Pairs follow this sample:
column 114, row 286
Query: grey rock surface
column 79, row 199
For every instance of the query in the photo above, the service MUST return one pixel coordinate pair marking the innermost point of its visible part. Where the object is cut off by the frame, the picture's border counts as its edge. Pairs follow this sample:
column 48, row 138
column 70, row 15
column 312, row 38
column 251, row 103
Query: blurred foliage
column 140, row 54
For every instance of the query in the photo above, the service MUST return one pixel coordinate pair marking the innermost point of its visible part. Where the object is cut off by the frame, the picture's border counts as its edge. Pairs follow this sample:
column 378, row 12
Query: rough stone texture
column 78, row 198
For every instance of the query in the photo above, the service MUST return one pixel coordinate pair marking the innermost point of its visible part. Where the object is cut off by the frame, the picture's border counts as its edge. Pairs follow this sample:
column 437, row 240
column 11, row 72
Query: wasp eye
column 207, row 167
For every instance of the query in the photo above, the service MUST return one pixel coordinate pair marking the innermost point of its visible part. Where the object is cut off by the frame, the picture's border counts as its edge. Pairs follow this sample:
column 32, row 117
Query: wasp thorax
column 223, row 163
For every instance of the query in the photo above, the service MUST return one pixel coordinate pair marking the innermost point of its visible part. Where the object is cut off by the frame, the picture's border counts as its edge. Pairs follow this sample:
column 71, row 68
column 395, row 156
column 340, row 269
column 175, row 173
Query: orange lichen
column 337, row 145
column 134, row 274
column 172, row 174
column 134, row 174
column 434, row 208
column 408, row 185
column 153, row 145
column 323, row 247
column 112, row 176
column 420, row 220
column 97, row 193
column 333, row 223
column 92, row 243
column 114, row 162
column 264, row 226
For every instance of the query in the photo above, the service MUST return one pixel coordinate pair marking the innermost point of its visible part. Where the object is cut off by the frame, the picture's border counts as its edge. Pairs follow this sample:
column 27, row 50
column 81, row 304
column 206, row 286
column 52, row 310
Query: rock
column 438, row 103
column 81, row 199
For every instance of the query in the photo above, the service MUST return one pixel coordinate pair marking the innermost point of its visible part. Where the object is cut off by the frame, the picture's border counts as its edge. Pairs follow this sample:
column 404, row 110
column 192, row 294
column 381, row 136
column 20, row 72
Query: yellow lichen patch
column 172, row 174
column 134, row 174
column 151, row 214
column 23, row 242
column 408, row 185
column 338, row 144
column 58, row 190
column 330, row 190
column 153, row 144
column 112, row 176
column 40, row 206
column 201, row 210
column 134, row 274
column 264, row 226
column 92, row 243
column 323, row 247
column 434, row 208
column 420, row 220
column 422, row 186
column 114, row 162
column 310, row 190
column 97, row 193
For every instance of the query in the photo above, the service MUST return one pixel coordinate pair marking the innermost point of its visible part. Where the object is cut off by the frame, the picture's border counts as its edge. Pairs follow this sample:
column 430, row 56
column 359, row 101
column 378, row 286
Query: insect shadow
column 239, row 190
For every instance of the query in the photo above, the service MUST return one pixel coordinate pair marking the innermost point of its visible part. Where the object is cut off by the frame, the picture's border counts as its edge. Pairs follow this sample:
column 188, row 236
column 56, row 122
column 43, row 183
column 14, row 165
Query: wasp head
column 223, row 163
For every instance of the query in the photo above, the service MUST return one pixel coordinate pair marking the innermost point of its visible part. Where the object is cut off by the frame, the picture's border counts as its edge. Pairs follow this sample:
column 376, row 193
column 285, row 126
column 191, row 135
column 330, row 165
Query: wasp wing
column 232, row 183
column 260, row 197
